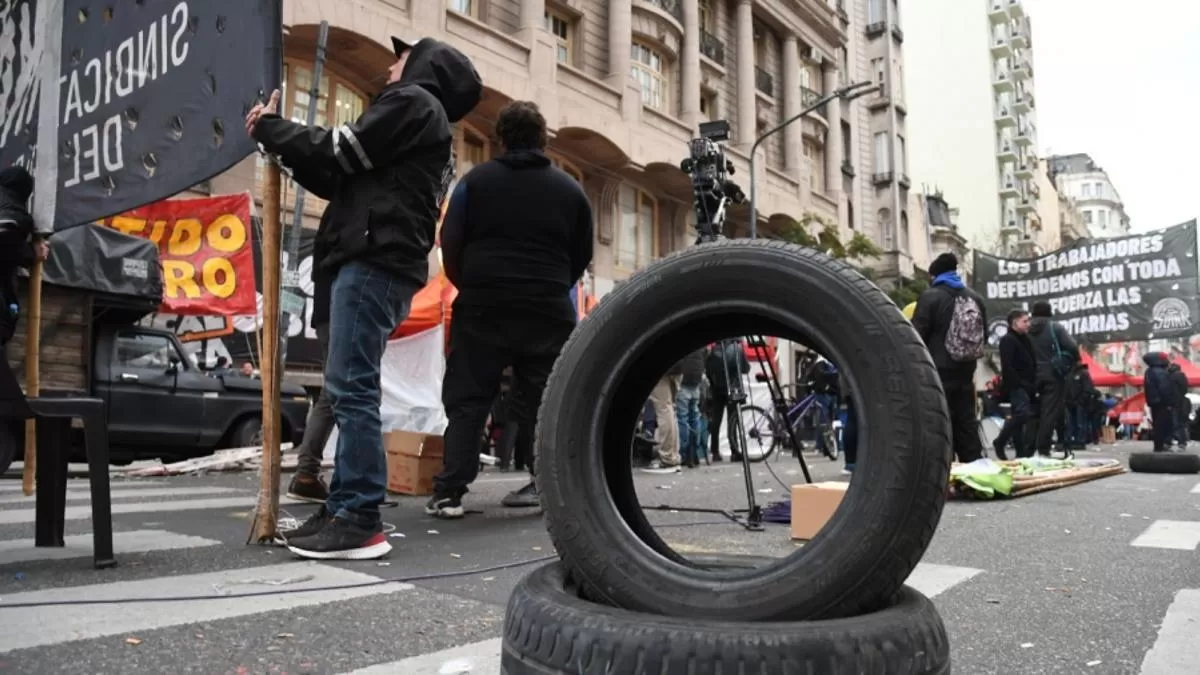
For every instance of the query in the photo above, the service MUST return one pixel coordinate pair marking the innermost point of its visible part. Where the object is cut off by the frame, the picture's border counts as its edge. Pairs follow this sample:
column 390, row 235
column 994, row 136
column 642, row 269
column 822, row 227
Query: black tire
column 692, row 298
column 829, row 436
column 549, row 630
column 247, row 432
column 760, row 442
column 1164, row 462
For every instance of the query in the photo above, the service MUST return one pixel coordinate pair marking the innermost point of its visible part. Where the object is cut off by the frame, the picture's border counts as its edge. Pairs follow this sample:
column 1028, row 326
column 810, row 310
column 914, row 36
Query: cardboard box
column 412, row 462
column 813, row 505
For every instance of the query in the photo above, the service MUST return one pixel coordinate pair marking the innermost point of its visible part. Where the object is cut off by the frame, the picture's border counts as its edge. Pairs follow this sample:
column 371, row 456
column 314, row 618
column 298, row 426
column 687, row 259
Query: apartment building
column 1081, row 179
column 624, row 84
column 974, row 117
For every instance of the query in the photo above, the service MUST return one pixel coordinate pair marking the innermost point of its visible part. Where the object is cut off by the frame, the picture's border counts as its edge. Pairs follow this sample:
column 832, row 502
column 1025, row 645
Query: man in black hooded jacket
column 385, row 176
column 1161, row 398
column 1056, row 354
column 1182, row 407
column 19, row 247
column 517, row 237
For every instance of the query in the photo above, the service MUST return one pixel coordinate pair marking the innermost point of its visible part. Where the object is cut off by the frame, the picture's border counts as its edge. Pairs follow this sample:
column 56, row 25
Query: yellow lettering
column 226, row 234
column 179, row 277
column 219, row 267
column 127, row 225
column 185, row 237
column 157, row 230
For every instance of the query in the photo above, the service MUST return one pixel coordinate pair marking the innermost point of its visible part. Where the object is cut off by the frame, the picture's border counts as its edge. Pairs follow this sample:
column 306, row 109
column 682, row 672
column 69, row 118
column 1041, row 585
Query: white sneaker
column 658, row 467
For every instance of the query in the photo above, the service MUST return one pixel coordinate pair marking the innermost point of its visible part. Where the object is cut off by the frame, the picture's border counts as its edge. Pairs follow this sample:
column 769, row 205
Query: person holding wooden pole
column 20, row 247
column 385, row 176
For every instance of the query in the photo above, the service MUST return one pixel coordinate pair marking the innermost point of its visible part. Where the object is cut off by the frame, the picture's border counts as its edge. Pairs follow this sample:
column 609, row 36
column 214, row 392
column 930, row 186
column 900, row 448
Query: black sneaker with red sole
column 342, row 540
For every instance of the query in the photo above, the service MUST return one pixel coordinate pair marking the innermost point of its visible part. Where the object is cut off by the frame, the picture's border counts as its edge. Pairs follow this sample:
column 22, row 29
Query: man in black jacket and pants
column 516, row 238
column 385, row 176
column 1018, row 377
column 20, row 246
column 726, row 359
column 1179, row 384
column 1162, row 398
column 1056, row 354
column 932, row 318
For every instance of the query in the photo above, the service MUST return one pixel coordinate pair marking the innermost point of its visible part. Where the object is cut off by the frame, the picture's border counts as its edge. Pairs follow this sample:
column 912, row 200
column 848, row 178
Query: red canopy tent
column 1101, row 376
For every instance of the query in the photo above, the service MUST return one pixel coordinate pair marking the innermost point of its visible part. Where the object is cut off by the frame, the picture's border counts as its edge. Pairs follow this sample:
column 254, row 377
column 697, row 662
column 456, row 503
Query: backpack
column 966, row 336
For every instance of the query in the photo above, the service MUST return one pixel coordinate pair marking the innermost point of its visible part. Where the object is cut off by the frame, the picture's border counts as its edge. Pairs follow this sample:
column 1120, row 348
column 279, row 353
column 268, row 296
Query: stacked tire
column 621, row 601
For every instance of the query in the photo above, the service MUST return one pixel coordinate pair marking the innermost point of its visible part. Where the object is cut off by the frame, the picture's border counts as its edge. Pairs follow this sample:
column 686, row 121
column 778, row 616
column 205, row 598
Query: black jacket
column 1080, row 386
column 1018, row 367
column 931, row 318
column 16, row 245
column 730, row 360
column 692, row 369
column 386, row 174
column 1179, row 386
column 1042, row 334
column 1157, row 381
column 518, row 233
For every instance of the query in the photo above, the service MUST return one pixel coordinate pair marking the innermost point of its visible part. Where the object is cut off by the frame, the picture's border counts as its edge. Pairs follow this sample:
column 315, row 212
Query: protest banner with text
column 1135, row 287
column 206, row 252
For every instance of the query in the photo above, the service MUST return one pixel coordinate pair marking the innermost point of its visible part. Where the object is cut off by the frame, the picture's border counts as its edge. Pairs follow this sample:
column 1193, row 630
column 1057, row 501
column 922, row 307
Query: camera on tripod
column 709, row 169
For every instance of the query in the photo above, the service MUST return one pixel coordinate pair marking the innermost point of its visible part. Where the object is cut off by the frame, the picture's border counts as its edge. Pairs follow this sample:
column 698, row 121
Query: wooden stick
column 33, row 385
column 266, row 515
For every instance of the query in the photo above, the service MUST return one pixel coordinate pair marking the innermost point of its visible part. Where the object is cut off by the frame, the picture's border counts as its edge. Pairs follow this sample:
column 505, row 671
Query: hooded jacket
column 385, row 175
column 1042, row 334
column 517, row 234
column 1157, row 381
column 1179, row 385
column 16, row 246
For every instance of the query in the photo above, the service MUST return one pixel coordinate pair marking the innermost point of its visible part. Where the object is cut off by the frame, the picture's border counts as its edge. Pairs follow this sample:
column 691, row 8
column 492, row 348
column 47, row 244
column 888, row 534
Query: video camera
column 710, row 170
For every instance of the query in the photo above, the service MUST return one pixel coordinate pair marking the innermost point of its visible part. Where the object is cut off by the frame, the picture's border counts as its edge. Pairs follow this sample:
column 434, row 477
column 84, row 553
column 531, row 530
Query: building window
column 1103, row 214
column 649, row 73
column 1100, row 190
column 882, row 160
column 568, row 167
column 707, row 22
column 850, row 212
column 847, row 143
column 904, row 231
column 846, row 74
column 468, row 7
column 637, row 234
column 473, row 150
column 761, row 47
column 1087, row 217
column 875, row 11
column 562, row 28
column 885, row 224
column 814, row 158
column 1087, row 189
column 901, row 155
column 880, row 75
column 708, row 106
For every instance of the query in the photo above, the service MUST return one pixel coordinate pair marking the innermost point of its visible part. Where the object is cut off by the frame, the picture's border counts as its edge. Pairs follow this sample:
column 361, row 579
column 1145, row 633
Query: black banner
column 1136, row 287
column 151, row 96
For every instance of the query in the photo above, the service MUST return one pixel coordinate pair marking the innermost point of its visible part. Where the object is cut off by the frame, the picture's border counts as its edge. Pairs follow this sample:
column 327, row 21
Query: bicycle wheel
column 762, row 434
column 829, row 440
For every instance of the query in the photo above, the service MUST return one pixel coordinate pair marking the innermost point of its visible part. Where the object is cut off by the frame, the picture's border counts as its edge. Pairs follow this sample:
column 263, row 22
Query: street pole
column 291, row 299
column 848, row 92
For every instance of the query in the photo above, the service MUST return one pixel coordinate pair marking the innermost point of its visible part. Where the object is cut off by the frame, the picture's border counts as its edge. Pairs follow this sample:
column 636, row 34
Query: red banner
column 206, row 252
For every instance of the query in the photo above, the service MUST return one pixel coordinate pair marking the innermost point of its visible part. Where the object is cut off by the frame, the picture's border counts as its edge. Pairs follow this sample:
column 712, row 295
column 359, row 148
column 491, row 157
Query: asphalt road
column 1098, row 578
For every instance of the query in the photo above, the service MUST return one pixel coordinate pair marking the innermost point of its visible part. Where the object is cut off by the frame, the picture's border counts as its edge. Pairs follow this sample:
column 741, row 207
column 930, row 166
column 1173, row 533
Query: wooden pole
column 266, row 514
column 33, row 350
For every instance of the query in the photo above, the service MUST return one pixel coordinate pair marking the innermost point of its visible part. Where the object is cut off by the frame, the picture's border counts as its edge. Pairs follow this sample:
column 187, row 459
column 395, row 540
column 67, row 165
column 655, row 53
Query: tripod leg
column 754, row 512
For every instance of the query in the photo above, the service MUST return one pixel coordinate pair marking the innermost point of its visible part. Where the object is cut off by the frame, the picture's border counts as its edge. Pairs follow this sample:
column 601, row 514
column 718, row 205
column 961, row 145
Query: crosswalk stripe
column 80, row 545
column 17, row 516
column 84, row 484
column 933, row 580
column 26, row 627
column 1196, row 490
column 78, row 496
column 477, row 657
column 1174, row 651
column 1180, row 535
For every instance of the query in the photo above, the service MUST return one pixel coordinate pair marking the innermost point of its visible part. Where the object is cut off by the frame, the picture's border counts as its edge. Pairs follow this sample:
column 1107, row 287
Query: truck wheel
column 693, row 298
column 1164, row 462
column 246, row 433
column 549, row 630
column 8, row 443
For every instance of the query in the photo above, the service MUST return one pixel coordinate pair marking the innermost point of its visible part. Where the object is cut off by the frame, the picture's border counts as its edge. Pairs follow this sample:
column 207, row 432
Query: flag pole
column 33, row 350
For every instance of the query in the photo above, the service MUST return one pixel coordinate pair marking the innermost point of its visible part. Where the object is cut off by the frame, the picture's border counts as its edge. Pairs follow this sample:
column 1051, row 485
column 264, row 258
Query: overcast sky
column 1120, row 80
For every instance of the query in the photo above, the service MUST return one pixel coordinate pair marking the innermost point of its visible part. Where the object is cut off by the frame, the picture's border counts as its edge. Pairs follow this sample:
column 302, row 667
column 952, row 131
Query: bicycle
column 766, row 430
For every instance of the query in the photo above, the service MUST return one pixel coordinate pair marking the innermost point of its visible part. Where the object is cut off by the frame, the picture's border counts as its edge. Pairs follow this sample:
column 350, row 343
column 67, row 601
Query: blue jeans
column 1080, row 425
column 366, row 305
column 687, row 416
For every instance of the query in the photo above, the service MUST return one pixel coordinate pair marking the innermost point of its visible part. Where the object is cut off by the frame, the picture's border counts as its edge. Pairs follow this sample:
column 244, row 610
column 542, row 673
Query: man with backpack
column 950, row 318
column 1161, row 397
column 1056, row 355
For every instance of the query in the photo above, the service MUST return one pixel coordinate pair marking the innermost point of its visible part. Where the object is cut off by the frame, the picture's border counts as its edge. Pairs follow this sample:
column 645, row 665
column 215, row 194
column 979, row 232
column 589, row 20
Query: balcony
column 1026, row 205
column 1022, row 70
column 764, row 82
column 848, row 169
column 841, row 11
column 1025, row 170
column 672, row 7
column 904, row 181
column 809, row 97
column 1004, row 119
column 1011, row 227
column 874, row 30
column 1015, row 9
column 998, row 12
column 712, row 48
column 1009, row 188
column 1019, row 39
column 897, row 33
column 1025, row 137
column 882, row 178
column 1006, row 153
column 1001, row 49
column 1002, row 82
column 1022, row 104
